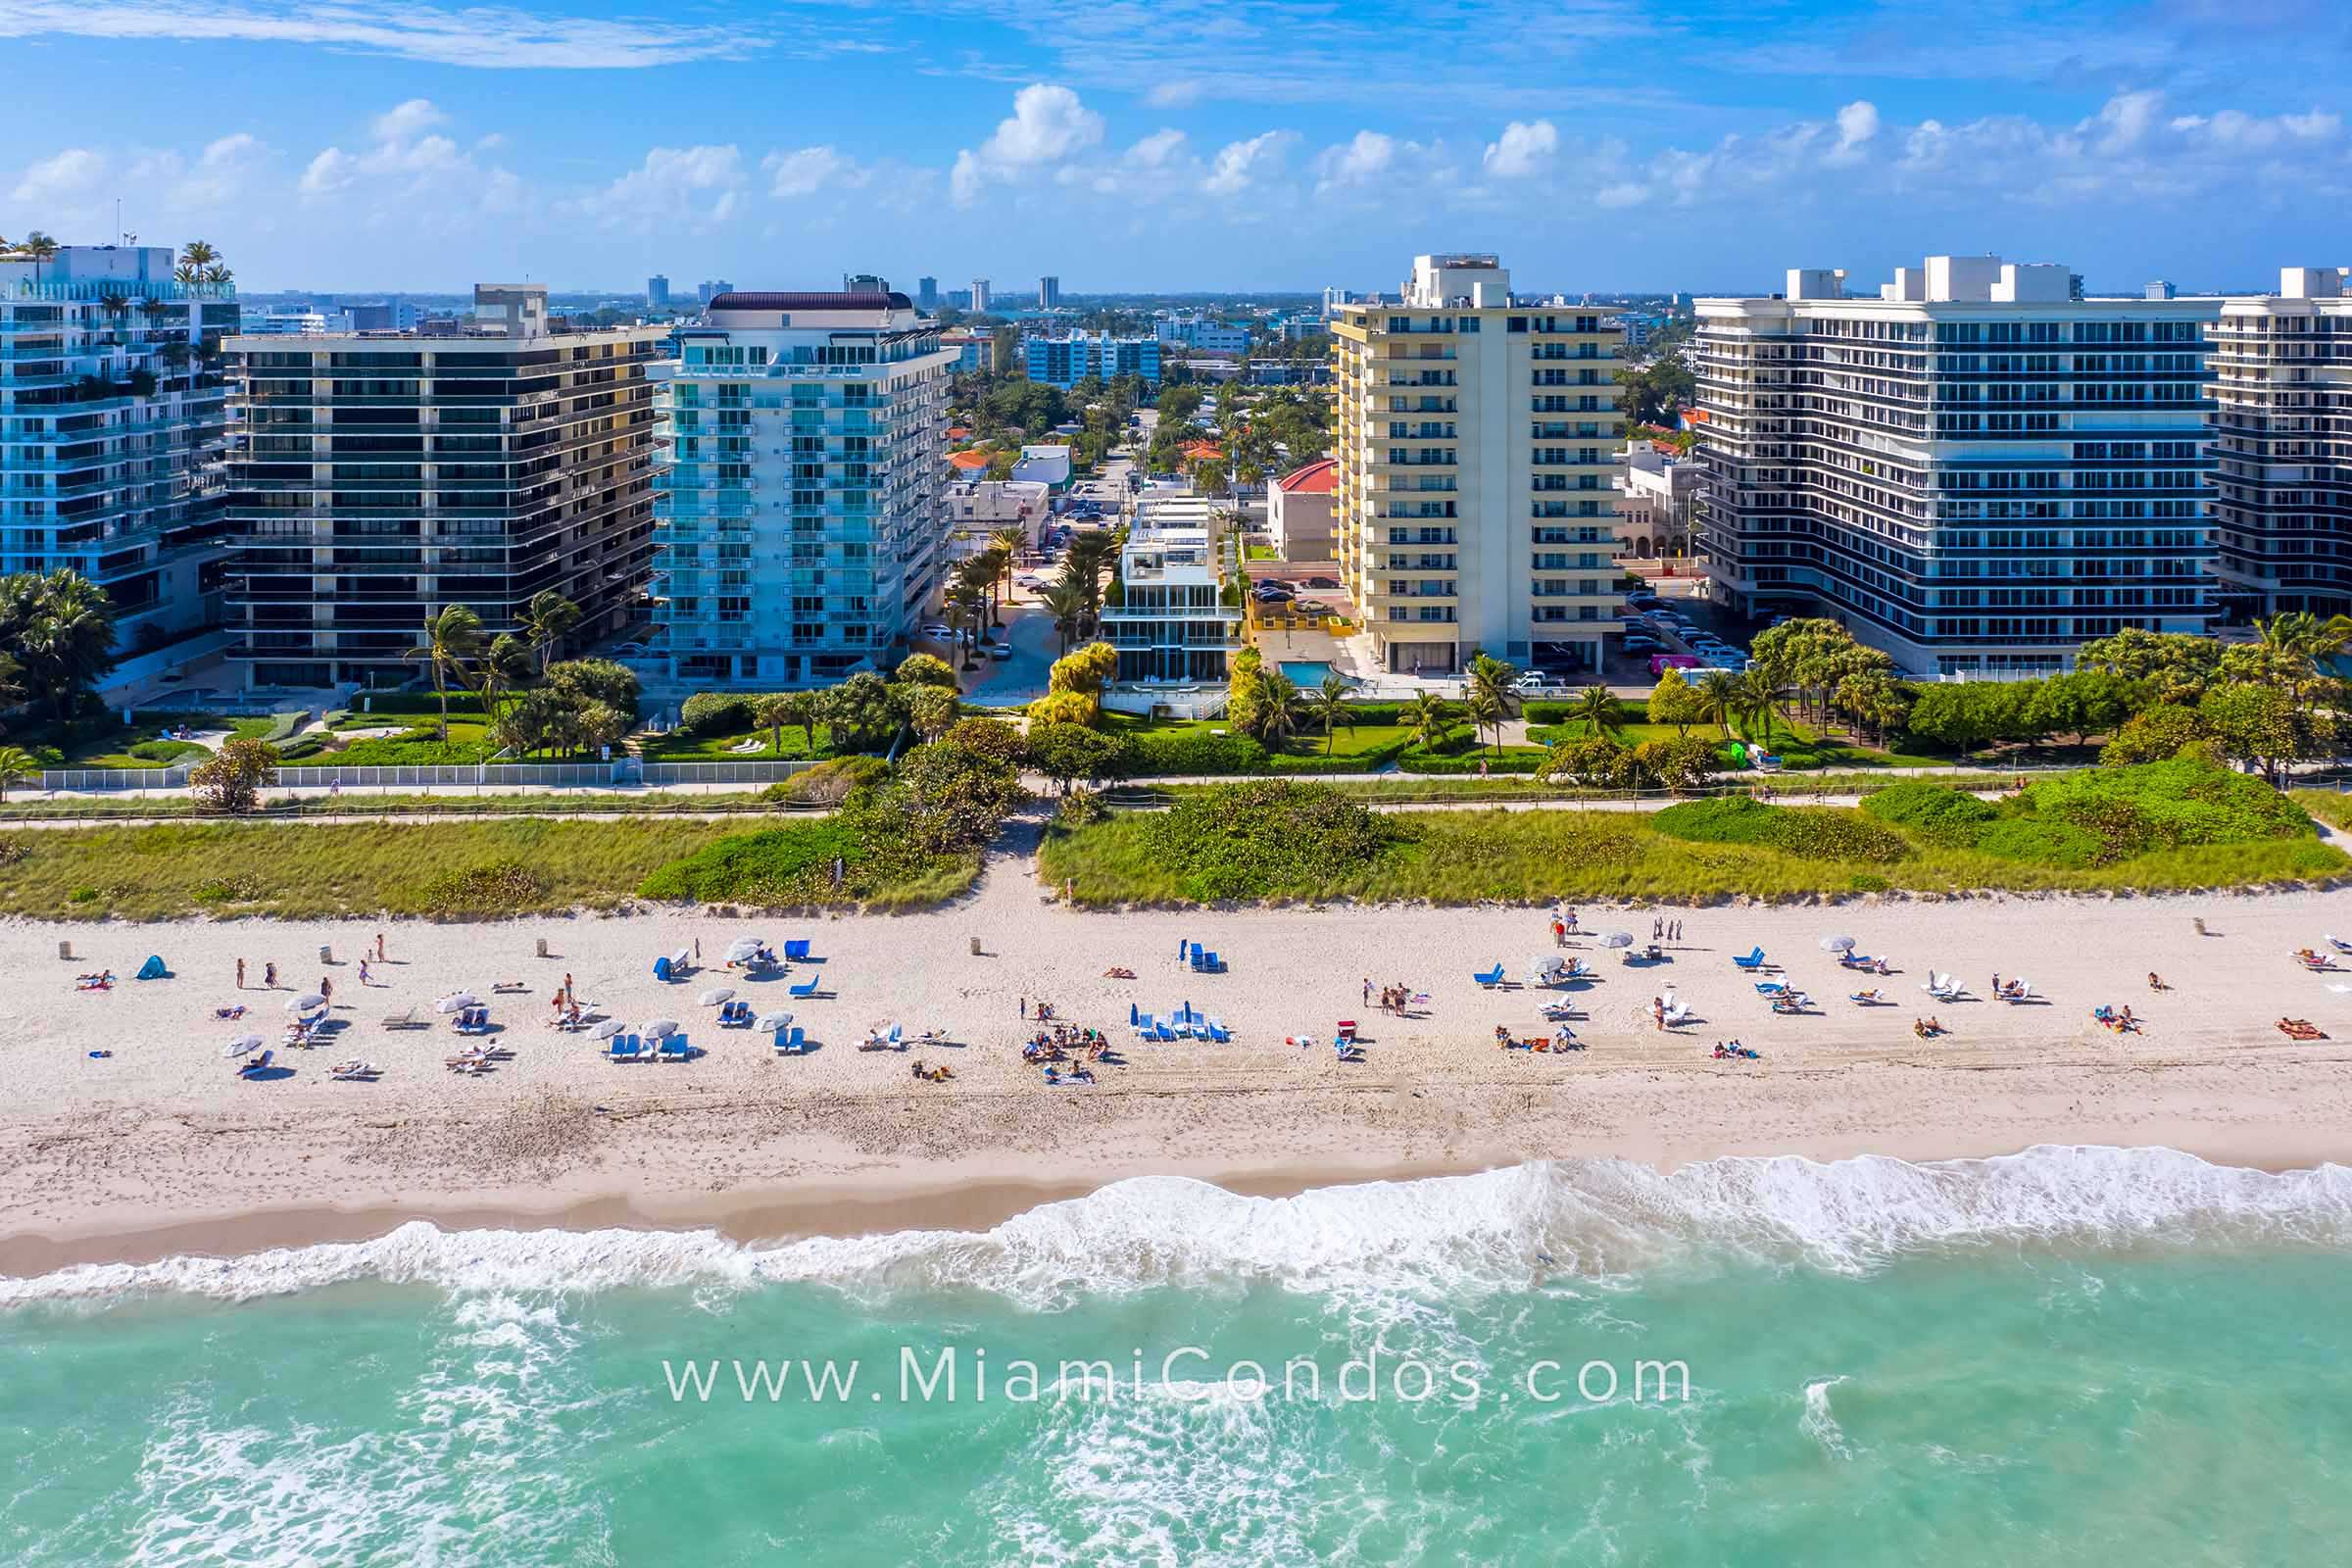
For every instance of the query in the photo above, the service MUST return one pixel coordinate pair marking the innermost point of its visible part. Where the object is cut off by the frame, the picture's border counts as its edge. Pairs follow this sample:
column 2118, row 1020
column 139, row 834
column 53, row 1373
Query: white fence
column 625, row 772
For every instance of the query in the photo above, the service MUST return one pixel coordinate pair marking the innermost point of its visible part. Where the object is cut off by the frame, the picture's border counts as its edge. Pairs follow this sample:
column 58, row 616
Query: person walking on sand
column 326, row 988
column 240, row 974
column 1367, row 991
column 1024, row 1006
column 270, row 978
column 568, row 996
column 362, row 969
column 379, row 947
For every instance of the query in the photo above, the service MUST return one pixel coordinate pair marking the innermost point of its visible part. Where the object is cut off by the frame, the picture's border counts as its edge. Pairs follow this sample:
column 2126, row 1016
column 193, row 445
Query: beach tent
column 662, row 969
column 154, row 969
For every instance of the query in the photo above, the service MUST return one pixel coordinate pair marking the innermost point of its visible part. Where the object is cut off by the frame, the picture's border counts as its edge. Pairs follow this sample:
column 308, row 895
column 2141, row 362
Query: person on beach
column 270, row 978
column 362, row 969
column 379, row 947
column 1024, row 1006
column 567, row 987
column 241, row 975
column 1367, row 991
column 2155, row 981
column 326, row 987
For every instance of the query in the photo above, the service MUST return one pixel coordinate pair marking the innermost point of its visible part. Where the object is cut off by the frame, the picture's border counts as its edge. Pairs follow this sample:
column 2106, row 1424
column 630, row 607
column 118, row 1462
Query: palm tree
column 1065, row 598
column 1718, row 699
column 803, row 710
column 1429, row 720
column 546, row 621
column 1493, row 677
column 65, row 632
column 1597, row 707
column 1011, row 541
column 772, row 713
column 1330, row 708
column 451, row 638
column 1757, row 704
column 16, row 766
column 1486, row 713
column 194, row 258
column 505, row 666
column 12, row 688
column 1280, row 711
column 40, row 248
column 965, row 605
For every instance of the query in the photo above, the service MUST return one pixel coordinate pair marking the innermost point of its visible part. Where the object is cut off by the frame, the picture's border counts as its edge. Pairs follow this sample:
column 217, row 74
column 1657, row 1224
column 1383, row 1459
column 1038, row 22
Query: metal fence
column 624, row 772
column 114, row 778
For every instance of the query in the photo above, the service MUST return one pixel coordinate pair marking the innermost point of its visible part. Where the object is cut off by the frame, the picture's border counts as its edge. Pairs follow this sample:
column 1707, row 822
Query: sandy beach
column 161, row 1148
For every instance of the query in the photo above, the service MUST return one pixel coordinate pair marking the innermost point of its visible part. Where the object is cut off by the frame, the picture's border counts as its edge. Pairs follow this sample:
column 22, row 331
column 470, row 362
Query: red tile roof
column 1317, row 478
column 969, row 459
column 1198, row 450
column 957, row 432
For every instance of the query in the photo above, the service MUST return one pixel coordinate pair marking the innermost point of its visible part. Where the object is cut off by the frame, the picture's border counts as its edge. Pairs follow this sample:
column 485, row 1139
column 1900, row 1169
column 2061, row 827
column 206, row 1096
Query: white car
column 940, row 632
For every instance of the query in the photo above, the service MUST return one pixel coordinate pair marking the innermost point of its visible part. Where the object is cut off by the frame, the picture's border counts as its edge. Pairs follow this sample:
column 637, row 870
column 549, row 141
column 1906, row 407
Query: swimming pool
column 1307, row 674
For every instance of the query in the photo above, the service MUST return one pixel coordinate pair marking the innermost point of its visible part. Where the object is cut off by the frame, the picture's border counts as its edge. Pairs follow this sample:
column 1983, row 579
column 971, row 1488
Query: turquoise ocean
column 2069, row 1355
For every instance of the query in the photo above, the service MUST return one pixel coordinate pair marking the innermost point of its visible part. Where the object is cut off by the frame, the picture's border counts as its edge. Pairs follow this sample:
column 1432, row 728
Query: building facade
column 1201, row 334
column 113, row 426
column 926, row 293
column 1049, row 293
column 979, row 304
column 2282, row 446
column 1065, row 362
column 657, row 291
column 804, row 520
column 1172, row 625
column 1299, row 511
column 711, row 288
column 377, row 479
column 1977, row 471
column 973, row 350
column 1656, row 499
column 1478, row 442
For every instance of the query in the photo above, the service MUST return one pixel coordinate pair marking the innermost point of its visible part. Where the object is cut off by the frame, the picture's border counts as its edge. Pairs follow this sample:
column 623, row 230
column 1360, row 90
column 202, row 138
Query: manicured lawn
column 1530, row 856
column 678, row 746
column 419, row 746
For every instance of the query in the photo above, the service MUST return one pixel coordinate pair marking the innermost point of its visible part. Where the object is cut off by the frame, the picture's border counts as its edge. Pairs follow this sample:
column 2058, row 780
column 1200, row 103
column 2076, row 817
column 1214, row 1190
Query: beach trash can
column 975, row 947
column 326, row 953
column 543, row 947
column 65, row 950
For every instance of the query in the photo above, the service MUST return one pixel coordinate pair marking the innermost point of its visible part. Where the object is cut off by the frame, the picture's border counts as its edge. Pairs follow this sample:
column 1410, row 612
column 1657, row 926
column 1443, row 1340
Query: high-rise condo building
column 1478, row 442
column 114, row 422
column 864, row 284
column 657, row 291
column 803, row 521
column 711, row 288
column 1049, row 293
column 926, row 293
column 380, row 477
column 1976, row 470
column 1065, row 362
column 979, row 296
column 2282, row 446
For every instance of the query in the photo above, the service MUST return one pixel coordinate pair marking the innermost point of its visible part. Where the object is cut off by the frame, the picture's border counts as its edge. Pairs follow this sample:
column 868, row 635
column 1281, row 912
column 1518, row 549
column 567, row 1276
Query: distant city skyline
column 1616, row 148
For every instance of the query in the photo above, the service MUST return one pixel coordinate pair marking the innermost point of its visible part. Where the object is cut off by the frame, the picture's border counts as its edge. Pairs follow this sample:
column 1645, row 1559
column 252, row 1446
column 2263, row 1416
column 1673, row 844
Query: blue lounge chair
column 791, row 1043
column 1490, row 979
column 1211, row 964
column 662, row 968
column 1196, row 954
column 154, row 969
column 675, row 1049
column 804, row 988
column 797, row 948
column 1163, row 1031
column 624, row 1047
column 1753, row 960
column 1771, row 988
column 1218, row 1032
column 895, row 1034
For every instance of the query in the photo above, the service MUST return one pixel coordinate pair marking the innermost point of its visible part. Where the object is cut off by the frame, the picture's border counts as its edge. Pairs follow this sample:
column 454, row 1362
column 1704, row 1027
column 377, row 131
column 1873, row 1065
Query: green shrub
column 1729, row 819
column 1189, row 751
column 1264, row 839
column 503, row 887
column 164, row 752
column 778, row 865
column 717, row 714
column 2038, row 841
column 1936, row 813
column 1457, row 762
column 283, row 726
column 2186, row 801
column 1809, row 833
column 415, row 703
column 830, row 783
column 1552, row 711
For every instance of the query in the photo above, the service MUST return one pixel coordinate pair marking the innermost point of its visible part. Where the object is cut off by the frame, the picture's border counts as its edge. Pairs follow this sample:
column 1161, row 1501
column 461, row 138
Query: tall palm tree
column 965, row 605
column 1011, row 541
column 1757, row 704
column 1066, row 601
column 194, row 258
column 1331, row 710
column 1429, row 720
column 40, row 248
column 1718, row 699
column 16, row 766
column 546, row 621
column 505, row 665
column 1493, row 677
column 1486, row 713
column 1597, row 707
column 449, row 638
column 1280, row 711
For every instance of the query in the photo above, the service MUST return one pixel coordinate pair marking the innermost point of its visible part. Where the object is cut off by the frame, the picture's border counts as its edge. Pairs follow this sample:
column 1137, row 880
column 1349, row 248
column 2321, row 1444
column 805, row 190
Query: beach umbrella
column 660, row 1027
column 1837, row 943
column 304, row 1002
column 716, row 995
column 456, row 1003
column 1616, row 939
column 744, row 949
column 774, row 1020
column 606, row 1030
column 241, row 1044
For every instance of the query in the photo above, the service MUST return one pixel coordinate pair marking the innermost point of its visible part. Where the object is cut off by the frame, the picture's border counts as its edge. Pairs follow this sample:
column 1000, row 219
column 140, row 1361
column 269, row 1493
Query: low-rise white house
column 1172, row 623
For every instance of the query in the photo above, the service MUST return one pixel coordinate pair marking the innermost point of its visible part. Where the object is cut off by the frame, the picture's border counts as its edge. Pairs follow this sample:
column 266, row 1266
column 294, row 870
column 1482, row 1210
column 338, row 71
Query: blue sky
column 1183, row 143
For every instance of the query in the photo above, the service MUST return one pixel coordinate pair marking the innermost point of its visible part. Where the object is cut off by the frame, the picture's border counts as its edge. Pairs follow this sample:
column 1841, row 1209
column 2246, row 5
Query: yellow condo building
column 1479, row 437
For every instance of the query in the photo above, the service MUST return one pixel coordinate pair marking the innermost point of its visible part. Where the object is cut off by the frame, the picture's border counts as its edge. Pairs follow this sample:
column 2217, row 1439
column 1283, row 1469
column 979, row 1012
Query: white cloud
column 405, row 122
column 1157, row 150
column 407, row 170
column 69, row 177
column 807, row 170
column 1048, row 123
column 1523, row 149
column 1181, row 93
column 488, row 37
column 1241, row 164
column 1623, row 193
column 217, row 177
column 1367, row 157
column 1858, row 125
column 2123, row 122
column 697, row 187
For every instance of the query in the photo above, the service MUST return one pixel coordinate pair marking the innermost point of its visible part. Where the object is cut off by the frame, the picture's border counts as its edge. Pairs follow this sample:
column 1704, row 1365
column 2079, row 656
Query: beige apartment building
column 1478, row 449
column 2282, row 446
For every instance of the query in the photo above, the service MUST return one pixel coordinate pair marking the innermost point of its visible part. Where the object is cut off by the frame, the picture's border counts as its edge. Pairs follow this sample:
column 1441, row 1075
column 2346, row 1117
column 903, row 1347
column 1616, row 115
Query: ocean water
column 2072, row 1356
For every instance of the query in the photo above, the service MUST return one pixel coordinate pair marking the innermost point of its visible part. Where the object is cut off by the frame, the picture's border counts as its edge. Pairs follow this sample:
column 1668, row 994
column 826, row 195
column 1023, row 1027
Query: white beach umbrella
column 1837, row 944
column 744, row 949
column 456, row 1003
column 304, row 1002
column 241, row 1044
column 1617, row 939
column 716, row 995
column 606, row 1030
column 660, row 1027
column 774, row 1020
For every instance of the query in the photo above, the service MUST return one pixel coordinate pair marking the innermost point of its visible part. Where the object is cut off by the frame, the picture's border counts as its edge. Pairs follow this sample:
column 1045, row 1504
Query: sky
column 1183, row 144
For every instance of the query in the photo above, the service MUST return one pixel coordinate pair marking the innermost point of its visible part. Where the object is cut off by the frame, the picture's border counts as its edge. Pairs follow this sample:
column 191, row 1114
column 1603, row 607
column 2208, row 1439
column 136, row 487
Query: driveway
column 1022, row 677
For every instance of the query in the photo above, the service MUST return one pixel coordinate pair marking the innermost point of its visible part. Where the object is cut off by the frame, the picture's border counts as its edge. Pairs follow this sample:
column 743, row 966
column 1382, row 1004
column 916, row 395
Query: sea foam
column 1434, row 1237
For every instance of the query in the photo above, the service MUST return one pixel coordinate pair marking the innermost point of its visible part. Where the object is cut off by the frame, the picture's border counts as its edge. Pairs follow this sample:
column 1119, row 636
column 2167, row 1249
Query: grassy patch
column 1215, row 845
column 684, row 746
column 513, row 867
column 793, row 865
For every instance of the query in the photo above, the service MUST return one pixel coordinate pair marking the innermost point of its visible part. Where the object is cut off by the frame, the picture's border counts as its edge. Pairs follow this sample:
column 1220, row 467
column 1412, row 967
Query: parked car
column 627, row 650
column 1637, row 644
column 998, row 652
column 1322, row 582
column 943, row 633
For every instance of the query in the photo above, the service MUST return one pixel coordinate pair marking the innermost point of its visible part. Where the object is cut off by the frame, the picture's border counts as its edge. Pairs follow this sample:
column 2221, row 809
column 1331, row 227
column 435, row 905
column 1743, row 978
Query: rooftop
column 1317, row 478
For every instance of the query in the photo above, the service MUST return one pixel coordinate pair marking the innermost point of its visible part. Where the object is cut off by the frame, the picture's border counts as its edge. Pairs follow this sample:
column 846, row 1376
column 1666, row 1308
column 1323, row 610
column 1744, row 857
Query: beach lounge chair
column 796, row 948
column 1490, row 979
column 1942, row 987
column 673, row 1048
column 406, row 1018
column 897, row 1035
column 1194, row 955
column 1677, row 1013
column 255, row 1065
column 804, row 988
column 2020, row 989
column 791, row 1042
column 1218, row 1032
column 2340, row 944
column 1865, row 999
column 1163, row 1030
column 1771, row 988
column 154, row 969
column 1753, row 960
column 624, row 1047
